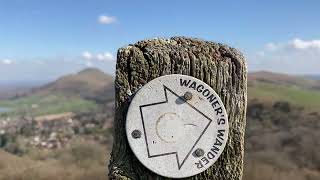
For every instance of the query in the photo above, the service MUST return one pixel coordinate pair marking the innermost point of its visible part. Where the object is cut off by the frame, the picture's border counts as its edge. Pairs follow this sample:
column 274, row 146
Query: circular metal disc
column 177, row 126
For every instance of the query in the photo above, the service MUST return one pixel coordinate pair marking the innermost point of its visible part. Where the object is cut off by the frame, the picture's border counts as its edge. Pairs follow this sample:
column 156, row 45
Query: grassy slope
column 82, row 160
column 267, row 92
column 68, row 93
column 53, row 103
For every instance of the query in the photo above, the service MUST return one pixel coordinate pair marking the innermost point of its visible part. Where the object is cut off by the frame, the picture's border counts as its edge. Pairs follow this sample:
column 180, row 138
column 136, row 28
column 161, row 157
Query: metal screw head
column 187, row 95
column 199, row 152
column 136, row 134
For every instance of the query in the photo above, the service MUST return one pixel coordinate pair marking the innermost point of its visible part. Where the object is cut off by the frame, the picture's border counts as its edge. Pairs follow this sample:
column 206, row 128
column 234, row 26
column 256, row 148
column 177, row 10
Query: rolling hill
column 84, row 90
column 270, row 87
column 71, row 93
column 315, row 77
column 283, row 80
column 282, row 129
column 9, row 89
column 88, row 83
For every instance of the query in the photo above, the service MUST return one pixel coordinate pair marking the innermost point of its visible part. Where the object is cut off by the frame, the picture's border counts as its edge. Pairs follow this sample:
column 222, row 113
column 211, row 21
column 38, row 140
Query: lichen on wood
column 221, row 67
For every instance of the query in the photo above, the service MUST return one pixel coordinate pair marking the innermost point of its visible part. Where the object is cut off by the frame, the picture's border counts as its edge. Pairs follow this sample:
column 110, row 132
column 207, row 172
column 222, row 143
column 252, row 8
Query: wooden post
column 221, row 67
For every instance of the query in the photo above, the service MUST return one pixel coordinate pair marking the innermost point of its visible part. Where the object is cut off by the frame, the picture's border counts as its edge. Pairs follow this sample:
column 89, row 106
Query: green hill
column 35, row 105
column 76, row 93
column 82, row 91
column 270, row 87
column 88, row 83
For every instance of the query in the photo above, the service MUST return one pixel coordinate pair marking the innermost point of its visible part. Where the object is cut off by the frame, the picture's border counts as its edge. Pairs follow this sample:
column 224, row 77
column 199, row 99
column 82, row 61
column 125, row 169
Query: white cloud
column 295, row 56
column 89, row 64
column 103, row 19
column 107, row 56
column 100, row 57
column 7, row 61
column 296, row 44
column 301, row 44
column 271, row 46
column 86, row 55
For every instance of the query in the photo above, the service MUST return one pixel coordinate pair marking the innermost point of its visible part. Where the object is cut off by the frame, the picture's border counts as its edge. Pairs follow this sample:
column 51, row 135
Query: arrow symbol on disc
column 172, row 127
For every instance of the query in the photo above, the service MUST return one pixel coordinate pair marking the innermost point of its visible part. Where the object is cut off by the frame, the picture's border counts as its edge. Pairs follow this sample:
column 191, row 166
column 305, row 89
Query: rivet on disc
column 136, row 134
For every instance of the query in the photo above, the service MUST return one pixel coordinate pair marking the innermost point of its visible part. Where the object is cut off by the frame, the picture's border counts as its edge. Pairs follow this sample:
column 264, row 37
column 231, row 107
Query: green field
column 309, row 99
column 40, row 105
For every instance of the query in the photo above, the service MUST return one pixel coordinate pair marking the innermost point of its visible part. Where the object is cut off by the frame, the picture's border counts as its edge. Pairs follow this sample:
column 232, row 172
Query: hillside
column 83, row 90
column 87, row 83
column 270, row 87
column 9, row 89
column 282, row 127
column 283, row 80
column 79, row 92
column 82, row 160
column 315, row 77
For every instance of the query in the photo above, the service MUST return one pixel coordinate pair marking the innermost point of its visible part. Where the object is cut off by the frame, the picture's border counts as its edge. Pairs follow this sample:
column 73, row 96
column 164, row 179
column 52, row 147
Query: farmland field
column 49, row 104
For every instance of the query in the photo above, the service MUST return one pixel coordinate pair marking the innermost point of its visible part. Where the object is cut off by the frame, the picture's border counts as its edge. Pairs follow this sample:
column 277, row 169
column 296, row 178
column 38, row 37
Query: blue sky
column 43, row 39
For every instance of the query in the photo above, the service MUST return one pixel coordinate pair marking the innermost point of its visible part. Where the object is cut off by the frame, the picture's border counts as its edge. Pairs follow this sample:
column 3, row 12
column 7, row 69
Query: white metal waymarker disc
column 172, row 133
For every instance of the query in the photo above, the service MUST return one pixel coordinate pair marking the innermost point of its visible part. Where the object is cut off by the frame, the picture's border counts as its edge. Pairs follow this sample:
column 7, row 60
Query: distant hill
column 314, row 77
column 283, row 79
column 270, row 87
column 282, row 128
column 9, row 89
column 93, row 84
column 90, row 83
column 80, row 92
column 89, row 87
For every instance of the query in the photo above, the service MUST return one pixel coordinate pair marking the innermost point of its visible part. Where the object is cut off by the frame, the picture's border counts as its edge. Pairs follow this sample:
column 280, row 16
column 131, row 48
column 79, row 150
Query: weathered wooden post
column 220, row 67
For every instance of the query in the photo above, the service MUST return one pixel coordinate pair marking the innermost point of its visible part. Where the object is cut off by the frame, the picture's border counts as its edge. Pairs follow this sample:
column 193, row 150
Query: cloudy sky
column 43, row 39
